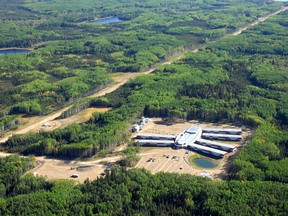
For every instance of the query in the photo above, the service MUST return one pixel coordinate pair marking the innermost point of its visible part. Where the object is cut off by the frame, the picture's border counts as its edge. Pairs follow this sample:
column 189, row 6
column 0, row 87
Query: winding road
column 35, row 123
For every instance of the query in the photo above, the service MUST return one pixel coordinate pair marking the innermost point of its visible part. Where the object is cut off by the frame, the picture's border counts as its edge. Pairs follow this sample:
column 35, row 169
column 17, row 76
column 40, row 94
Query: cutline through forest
column 35, row 125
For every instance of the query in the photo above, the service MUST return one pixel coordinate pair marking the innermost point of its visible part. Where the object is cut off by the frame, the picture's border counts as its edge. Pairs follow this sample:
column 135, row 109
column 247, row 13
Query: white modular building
column 161, row 143
column 217, row 145
column 207, row 150
column 189, row 136
column 135, row 128
column 235, row 131
column 221, row 136
column 156, row 137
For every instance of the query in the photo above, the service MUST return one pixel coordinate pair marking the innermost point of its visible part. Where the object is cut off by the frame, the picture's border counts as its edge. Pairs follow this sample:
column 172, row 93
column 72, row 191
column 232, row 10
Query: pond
column 13, row 51
column 107, row 20
column 204, row 163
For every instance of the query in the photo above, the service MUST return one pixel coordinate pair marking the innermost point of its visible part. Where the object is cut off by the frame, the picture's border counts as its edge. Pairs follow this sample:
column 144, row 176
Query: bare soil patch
column 64, row 169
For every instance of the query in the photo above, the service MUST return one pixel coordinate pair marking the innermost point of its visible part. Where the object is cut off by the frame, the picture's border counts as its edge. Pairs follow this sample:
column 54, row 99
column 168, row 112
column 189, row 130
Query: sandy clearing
column 80, row 117
column 58, row 169
column 61, row 168
column 35, row 122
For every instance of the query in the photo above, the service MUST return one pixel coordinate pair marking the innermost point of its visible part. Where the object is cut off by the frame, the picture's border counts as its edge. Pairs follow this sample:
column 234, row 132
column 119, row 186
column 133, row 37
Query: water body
column 13, row 51
column 107, row 20
column 204, row 163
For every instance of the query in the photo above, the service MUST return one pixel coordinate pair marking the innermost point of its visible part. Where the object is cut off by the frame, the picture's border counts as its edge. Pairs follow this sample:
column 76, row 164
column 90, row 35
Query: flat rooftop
column 193, row 129
column 156, row 135
column 221, row 135
column 208, row 149
column 154, row 141
column 216, row 143
column 223, row 129
column 189, row 136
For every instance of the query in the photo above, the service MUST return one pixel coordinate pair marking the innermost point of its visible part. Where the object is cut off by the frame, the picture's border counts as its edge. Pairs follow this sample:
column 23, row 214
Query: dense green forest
column 136, row 192
column 240, row 79
column 222, row 82
column 26, row 22
column 73, row 57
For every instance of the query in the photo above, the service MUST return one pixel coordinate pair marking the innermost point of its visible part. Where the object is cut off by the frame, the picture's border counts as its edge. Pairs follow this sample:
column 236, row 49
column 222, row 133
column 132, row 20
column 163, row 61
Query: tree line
column 136, row 191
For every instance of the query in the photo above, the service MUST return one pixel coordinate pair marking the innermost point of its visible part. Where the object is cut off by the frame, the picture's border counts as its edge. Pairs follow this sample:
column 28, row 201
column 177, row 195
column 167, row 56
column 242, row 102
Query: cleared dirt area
column 64, row 169
column 166, row 159
column 80, row 117
column 61, row 169
column 30, row 124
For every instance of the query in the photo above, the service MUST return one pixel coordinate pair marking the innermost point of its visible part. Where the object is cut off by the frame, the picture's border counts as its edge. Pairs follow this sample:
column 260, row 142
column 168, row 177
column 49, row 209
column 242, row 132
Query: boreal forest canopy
column 220, row 77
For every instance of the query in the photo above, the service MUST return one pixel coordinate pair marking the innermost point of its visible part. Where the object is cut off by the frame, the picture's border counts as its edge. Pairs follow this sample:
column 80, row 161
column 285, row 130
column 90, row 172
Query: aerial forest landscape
column 96, row 98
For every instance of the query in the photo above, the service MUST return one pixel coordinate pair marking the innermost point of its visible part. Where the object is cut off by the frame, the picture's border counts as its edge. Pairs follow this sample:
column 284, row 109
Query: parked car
column 74, row 175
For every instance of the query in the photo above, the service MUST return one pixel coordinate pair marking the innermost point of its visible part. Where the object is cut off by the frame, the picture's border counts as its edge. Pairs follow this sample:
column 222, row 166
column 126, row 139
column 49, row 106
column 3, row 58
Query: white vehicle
column 46, row 125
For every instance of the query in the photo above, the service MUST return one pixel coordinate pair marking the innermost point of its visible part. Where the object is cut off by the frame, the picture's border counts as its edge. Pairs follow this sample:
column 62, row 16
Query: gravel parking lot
column 165, row 159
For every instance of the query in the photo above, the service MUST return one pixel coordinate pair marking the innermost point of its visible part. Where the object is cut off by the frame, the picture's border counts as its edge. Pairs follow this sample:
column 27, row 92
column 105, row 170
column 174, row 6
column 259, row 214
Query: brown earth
column 80, row 117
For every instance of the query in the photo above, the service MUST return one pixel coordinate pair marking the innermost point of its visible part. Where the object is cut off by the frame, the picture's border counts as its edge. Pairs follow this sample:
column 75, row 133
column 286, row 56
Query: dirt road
column 259, row 20
column 35, row 123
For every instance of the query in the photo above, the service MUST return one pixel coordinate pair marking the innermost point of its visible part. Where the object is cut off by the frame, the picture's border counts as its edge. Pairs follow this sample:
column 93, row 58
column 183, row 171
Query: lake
column 204, row 163
column 107, row 20
column 13, row 51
